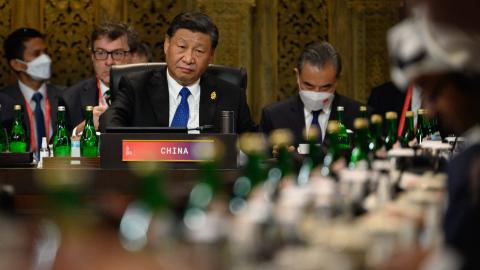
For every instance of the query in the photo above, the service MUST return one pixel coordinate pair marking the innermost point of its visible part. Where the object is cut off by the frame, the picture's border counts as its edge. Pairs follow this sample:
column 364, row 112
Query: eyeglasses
column 117, row 55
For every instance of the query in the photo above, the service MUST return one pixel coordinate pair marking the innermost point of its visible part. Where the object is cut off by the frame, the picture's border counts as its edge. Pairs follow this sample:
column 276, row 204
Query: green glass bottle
column 360, row 150
column 18, row 135
column 89, row 140
column 3, row 135
column 333, row 152
column 408, row 133
column 422, row 126
column 376, row 141
column 61, row 138
column 313, row 159
column 391, row 137
column 253, row 145
column 343, row 139
column 363, row 114
column 314, row 152
column 283, row 138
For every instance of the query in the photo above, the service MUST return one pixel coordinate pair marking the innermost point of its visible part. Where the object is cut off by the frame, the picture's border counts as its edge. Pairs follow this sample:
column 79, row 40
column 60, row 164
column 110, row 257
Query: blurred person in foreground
column 445, row 62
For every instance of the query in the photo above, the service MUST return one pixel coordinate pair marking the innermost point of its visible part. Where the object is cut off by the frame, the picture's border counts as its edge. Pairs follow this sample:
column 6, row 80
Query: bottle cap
column 252, row 143
column 360, row 123
column 340, row 108
column 61, row 108
column 17, row 107
column 421, row 111
column 89, row 108
column 282, row 137
column 363, row 108
column 409, row 114
column 312, row 132
column 391, row 115
column 376, row 119
column 333, row 127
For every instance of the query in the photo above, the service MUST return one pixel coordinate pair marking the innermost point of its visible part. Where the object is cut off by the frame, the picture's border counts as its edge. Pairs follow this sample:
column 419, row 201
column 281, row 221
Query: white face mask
column 39, row 68
column 315, row 101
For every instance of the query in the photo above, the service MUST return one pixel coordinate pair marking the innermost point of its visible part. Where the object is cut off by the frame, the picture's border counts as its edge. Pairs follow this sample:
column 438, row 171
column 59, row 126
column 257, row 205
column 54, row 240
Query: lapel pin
column 213, row 95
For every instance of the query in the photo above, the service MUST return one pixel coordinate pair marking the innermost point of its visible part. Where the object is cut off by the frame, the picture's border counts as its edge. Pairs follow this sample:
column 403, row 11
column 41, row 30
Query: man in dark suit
column 182, row 95
column 25, row 51
column 111, row 44
column 318, row 70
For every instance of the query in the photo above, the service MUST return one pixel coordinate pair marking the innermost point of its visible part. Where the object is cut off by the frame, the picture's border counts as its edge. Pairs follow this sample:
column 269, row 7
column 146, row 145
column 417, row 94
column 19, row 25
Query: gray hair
column 319, row 54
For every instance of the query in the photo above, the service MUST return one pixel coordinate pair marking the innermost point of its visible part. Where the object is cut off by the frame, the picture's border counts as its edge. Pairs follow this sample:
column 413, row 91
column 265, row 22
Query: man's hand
column 97, row 111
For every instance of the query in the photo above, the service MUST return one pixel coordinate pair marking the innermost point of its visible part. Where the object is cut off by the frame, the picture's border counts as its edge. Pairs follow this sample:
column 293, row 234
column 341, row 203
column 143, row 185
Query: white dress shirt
column 101, row 98
column 322, row 117
column 28, row 94
column 416, row 103
column 193, row 99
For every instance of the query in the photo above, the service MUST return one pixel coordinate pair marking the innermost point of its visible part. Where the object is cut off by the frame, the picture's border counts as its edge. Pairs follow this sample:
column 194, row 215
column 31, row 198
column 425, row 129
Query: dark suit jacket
column 78, row 96
column 386, row 97
column 142, row 100
column 289, row 114
column 12, row 95
column 462, row 218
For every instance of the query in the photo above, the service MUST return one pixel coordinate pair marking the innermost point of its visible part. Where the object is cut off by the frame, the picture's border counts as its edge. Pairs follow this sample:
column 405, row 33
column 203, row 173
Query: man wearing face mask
column 318, row 70
column 26, row 54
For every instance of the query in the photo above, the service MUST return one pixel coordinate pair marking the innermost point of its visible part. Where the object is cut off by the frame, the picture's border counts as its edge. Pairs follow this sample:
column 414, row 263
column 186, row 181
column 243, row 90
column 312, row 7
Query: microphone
column 201, row 128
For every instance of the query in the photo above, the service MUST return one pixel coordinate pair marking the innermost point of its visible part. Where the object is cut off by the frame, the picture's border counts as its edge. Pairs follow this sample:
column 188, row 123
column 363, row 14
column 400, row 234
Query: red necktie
column 406, row 105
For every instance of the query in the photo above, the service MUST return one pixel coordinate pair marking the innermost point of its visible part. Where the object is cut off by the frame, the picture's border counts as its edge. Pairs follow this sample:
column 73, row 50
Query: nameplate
column 164, row 150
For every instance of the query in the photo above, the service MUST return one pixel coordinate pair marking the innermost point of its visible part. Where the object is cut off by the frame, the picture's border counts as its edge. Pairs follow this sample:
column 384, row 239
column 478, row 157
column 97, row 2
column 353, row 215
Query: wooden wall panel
column 265, row 36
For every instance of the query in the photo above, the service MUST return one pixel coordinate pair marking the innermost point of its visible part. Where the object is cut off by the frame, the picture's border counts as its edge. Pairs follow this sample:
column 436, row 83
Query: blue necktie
column 316, row 124
column 180, row 119
column 39, row 119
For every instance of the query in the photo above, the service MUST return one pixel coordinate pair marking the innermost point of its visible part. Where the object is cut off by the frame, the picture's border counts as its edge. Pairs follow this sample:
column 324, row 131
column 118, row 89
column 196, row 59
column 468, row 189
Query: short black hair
column 14, row 44
column 144, row 49
column 319, row 54
column 195, row 22
column 114, row 30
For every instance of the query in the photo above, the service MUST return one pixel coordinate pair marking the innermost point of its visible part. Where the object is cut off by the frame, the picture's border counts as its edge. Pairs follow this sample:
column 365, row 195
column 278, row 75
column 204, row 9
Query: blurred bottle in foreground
column 334, row 152
column 422, row 126
column 391, row 137
column 408, row 133
column 343, row 139
column 360, row 150
column 376, row 142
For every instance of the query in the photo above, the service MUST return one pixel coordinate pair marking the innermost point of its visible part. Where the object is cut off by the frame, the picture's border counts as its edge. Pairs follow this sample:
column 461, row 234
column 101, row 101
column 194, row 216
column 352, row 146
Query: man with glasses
column 318, row 70
column 111, row 44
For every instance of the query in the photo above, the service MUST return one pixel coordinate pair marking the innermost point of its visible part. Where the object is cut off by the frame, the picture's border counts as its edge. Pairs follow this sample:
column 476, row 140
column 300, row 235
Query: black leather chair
column 236, row 76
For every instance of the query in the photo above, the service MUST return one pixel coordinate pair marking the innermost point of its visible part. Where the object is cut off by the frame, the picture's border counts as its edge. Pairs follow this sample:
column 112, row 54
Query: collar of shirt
column 472, row 136
column 174, row 99
column 29, row 92
column 416, row 102
column 323, row 117
column 174, row 88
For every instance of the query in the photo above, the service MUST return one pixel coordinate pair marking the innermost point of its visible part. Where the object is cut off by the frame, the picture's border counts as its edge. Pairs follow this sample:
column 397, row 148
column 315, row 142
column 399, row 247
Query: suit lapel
column 298, row 123
column 53, row 100
column 208, row 100
column 90, row 94
column 157, row 89
column 333, row 109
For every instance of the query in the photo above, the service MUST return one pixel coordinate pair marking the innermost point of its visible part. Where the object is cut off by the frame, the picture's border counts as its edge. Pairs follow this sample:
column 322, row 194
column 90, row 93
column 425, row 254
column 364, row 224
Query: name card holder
column 119, row 150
